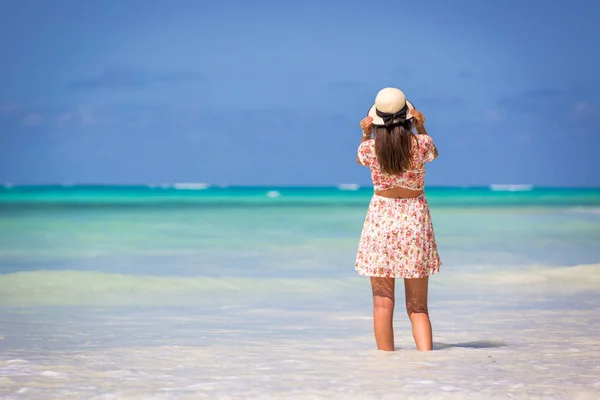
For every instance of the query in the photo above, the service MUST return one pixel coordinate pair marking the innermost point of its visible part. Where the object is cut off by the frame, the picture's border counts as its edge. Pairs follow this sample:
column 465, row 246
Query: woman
column 397, row 239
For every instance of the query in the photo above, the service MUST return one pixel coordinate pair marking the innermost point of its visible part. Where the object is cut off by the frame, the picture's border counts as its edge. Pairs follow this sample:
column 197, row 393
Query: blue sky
column 272, row 92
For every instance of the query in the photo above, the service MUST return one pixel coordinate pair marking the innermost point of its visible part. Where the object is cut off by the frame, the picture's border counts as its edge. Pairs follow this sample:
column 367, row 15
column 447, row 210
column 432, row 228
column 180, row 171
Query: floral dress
column 397, row 240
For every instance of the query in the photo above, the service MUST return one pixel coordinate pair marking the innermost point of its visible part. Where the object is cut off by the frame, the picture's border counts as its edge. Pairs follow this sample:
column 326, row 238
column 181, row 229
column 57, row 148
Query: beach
column 197, row 291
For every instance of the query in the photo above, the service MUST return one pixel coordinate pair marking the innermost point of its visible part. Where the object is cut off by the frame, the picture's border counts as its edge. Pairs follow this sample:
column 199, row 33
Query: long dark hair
column 393, row 147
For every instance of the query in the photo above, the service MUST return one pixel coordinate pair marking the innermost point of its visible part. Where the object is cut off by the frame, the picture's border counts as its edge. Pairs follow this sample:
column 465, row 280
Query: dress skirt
column 397, row 240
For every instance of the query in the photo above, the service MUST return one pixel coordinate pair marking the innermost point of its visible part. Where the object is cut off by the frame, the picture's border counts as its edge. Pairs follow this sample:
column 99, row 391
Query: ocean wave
column 159, row 185
column 205, row 195
column 511, row 188
column 585, row 210
column 572, row 279
column 348, row 186
column 191, row 185
column 90, row 288
column 69, row 287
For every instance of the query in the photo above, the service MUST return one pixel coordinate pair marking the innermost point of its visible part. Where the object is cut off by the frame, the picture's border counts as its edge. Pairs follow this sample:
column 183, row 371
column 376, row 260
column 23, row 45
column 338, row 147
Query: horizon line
column 204, row 185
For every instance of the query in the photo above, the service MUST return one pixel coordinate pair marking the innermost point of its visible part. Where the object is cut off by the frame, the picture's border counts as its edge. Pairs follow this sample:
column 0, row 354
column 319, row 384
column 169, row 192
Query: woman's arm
column 367, row 127
column 419, row 124
column 422, row 131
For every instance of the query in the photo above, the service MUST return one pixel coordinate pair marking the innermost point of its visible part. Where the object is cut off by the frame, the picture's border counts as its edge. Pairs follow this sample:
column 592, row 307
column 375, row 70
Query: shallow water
column 261, row 301
column 528, row 351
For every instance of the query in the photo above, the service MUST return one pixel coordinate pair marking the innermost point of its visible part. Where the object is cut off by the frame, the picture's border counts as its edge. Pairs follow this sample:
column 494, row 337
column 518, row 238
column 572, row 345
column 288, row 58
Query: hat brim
column 378, row 121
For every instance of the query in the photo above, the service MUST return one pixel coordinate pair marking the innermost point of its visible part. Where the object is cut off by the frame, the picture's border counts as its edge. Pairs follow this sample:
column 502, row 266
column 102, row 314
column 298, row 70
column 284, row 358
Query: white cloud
column 81, row 114
column 86, row 115
column 493, row 115
column 582, row 109
column 9, row 107
column 524, row 138
column 131, row 77
column 64, row 118
column 34, row 119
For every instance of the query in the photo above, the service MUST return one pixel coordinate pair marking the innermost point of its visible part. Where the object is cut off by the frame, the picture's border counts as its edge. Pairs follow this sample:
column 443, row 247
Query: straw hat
column 390, row 108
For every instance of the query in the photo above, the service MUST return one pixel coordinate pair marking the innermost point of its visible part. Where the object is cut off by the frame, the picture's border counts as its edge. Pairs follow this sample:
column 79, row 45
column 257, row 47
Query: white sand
column 499, row 338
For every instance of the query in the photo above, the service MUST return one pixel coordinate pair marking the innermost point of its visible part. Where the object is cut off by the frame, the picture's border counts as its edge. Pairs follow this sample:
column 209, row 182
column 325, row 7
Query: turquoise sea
column 193, row 291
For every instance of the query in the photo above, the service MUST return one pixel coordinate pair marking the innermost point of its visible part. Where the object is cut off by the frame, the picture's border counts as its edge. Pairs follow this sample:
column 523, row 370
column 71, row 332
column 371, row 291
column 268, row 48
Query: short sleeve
column 426, row 148
column 366, row 153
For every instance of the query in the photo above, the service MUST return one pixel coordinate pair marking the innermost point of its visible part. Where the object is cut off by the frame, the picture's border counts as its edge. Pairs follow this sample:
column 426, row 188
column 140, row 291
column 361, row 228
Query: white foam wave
column 273, row 193
column 511, row 188
column 348, row 186
column 586, row 210
column 539, row 278
column 55, row 288
column 191, row 185
column 53, row 374
column 159, row 185
column 96, row 288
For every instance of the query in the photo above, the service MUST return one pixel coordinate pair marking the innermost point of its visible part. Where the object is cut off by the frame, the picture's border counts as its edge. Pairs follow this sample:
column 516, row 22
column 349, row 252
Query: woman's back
column 423, row 151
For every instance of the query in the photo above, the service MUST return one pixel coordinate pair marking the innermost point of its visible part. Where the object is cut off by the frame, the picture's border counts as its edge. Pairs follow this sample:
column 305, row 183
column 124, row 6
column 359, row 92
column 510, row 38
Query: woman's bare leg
column 416, row 307
column 383, row 312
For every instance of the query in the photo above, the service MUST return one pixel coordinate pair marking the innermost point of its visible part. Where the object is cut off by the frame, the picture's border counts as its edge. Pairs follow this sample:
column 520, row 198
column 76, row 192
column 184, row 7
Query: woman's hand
column 367, row 126
column 418, row 119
